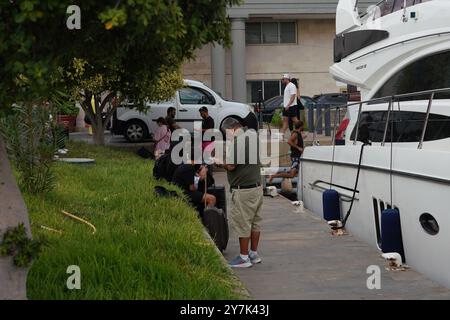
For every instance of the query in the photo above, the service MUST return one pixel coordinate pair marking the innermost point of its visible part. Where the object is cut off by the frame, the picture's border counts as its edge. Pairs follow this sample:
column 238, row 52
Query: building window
column 271, row 32
column 253, row 33
column 263, row 89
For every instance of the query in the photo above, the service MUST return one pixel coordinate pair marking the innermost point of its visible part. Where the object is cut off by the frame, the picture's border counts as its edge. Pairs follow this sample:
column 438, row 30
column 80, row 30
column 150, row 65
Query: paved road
column 301, row 260
column 111, row 140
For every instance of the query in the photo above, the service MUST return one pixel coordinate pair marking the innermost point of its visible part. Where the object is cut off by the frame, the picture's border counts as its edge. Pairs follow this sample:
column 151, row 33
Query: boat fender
column 391, row 232
column 331, row 205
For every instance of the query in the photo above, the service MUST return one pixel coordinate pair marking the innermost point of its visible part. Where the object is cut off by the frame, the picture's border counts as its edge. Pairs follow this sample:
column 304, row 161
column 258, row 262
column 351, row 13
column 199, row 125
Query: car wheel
column 237, row 118
column 135, row 131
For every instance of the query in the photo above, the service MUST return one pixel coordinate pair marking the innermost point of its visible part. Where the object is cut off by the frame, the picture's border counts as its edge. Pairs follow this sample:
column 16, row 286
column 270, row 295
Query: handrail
column 388, row 118
column 425, row 125
column 397, row 97
column 357, row 122
column 432, row 93
column 375, row 5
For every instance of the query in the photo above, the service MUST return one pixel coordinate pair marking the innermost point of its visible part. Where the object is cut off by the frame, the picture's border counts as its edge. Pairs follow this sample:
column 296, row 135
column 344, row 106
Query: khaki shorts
column 245, row 211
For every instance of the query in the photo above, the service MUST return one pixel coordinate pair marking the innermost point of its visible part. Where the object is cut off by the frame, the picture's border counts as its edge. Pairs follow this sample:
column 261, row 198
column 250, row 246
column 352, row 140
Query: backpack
column 160, row 168
column 164, row 168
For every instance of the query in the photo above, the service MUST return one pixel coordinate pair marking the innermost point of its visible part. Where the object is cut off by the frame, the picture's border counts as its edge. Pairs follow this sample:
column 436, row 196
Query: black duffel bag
column 216, row 223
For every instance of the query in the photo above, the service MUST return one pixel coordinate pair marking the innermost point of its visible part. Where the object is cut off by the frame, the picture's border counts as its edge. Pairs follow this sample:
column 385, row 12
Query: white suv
column 137, row 126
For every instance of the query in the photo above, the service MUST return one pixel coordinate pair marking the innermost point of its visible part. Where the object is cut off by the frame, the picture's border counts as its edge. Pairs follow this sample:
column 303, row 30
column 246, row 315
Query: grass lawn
column 145, row 247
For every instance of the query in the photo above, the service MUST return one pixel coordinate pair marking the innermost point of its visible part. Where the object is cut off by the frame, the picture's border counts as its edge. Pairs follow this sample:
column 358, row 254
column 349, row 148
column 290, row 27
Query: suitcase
column 216, row 223
column 220, row 193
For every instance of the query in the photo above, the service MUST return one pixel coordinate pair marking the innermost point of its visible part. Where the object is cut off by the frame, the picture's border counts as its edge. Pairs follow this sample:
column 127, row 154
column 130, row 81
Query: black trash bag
column 145, row 153
column 163, row 192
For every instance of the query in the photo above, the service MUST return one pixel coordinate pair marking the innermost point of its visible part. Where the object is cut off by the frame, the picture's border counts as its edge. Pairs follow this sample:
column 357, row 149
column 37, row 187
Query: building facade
column 270, row 38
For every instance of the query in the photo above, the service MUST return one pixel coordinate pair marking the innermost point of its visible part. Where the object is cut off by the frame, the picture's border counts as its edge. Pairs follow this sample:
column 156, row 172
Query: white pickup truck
column 136, row 126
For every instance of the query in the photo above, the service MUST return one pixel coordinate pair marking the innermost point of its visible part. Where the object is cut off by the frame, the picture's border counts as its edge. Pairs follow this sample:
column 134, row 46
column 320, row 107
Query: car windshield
column 220, row 95
column 274, row 102
column 307, row 100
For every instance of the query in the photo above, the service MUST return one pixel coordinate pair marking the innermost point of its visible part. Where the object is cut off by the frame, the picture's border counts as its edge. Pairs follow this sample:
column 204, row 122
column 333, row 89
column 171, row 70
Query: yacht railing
column 431, row 94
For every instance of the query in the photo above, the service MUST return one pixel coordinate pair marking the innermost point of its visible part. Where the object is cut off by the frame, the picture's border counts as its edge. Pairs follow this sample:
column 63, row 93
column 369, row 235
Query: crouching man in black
column 191, row 178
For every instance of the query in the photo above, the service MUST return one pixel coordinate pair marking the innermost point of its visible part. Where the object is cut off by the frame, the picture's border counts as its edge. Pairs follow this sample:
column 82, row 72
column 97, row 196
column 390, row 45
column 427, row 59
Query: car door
column 191, row 99
column 159, row 110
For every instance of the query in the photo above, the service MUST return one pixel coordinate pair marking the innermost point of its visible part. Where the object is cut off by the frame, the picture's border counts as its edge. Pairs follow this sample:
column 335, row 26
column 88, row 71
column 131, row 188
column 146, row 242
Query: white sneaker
column 254, row 258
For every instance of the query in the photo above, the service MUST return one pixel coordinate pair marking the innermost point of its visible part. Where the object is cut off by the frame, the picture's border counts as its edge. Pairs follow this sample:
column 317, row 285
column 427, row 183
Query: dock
column 303, row 261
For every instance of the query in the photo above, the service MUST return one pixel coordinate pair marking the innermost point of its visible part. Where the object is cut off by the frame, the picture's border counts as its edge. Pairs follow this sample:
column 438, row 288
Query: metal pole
column 336, row 112
column 327, row 121
column 311, row 117
column 425, row 125
column 357, row 124
column 319, row 119
column 387, row 123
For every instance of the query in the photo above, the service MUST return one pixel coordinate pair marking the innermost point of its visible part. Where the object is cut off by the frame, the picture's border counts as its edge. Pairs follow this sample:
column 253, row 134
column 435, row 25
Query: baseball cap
column 286, row 76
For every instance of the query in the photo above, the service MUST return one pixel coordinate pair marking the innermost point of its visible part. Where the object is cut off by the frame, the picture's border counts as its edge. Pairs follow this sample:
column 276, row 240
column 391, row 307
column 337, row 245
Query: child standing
column 162, row 137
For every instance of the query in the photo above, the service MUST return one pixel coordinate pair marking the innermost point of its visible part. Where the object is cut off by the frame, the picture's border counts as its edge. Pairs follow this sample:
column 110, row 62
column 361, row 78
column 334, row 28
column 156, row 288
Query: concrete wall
column 200, row 68
column 288, row 7
column 307, row 60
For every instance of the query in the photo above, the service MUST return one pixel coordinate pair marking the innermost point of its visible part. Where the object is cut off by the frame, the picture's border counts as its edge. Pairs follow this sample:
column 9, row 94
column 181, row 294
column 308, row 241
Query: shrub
column 32, row 140
column 277, row 119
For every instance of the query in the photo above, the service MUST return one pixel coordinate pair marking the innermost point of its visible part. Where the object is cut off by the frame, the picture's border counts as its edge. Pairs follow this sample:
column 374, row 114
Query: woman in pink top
column 162, row 137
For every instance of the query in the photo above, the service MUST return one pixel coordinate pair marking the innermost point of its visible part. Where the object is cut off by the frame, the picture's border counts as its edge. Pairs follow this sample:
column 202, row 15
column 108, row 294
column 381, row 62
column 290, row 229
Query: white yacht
column 398, row 54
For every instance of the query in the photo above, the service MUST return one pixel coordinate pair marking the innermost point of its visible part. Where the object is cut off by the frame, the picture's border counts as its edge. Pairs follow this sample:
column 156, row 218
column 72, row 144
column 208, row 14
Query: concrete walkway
column 301, row 260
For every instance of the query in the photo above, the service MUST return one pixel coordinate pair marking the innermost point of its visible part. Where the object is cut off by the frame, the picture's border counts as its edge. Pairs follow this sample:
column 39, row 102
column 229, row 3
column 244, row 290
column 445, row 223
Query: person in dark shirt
column 297, row 146
column 170, row 119
column 190, row 178
column 208, row 122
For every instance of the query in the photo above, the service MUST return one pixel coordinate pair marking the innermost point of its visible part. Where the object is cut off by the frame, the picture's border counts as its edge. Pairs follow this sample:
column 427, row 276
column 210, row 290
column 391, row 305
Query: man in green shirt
column 244, row 178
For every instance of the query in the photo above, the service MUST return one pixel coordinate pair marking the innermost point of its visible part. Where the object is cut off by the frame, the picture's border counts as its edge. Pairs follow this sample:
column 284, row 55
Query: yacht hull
column 418, row 186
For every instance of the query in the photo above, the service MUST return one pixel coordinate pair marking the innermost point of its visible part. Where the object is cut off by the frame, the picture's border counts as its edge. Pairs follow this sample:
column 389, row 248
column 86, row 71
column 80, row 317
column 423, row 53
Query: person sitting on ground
column 297, row 146
column 161, row 137
column 189, row 177
column 170, row 119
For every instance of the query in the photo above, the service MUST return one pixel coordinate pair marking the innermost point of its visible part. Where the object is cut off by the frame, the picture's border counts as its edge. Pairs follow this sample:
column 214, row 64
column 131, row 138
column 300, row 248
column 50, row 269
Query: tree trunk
column 98, row 134
column 12, row 212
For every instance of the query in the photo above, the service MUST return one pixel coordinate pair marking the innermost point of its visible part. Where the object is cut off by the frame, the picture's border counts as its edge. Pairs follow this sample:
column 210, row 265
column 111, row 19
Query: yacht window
column 407, row 127
column 398, row 5
column 389, row 6
column 386, row 7
column 431, row 72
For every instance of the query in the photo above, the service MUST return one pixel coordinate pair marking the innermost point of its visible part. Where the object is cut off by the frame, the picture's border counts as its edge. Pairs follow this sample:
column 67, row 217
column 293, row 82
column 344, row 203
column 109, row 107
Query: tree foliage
column 126, row 46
